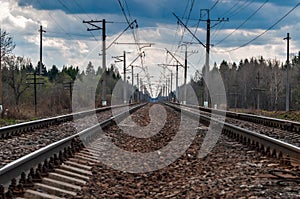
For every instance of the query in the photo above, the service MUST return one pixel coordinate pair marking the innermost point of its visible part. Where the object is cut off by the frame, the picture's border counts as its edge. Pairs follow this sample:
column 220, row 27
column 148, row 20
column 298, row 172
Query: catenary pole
column 287, row 95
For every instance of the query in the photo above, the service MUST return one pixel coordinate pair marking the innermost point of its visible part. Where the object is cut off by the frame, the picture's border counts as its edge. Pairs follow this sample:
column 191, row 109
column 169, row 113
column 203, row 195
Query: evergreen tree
column 52, row 73
column 90, row 71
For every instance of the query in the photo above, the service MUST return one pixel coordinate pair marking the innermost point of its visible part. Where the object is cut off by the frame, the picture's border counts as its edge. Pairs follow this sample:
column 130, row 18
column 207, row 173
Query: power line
column 134, row 31
column 85, row 12
column 53, row 19
column 135, row 34
column 186, row 28
column 248, row 18
column 217, row 30
column 186, row 7
column 187, row 21
column 128, row 20
column 128, row 10
column 80, row 7
column 124, row 13
column 72, row 34
column 258, row 36
column 130, row 25
column 177, row 34
column 214, row 5
column 230, row 9
column 196, row 29
column 78, row 17
column 190, row 11
column 237, row 10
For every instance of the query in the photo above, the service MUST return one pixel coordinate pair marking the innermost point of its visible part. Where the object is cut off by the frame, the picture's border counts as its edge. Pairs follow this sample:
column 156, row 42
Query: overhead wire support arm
column 140, row 55
column 185, row 73
column 174, row 57
column 130, row 43
column 135, row 43
column 118, row 58
column 165, row 65
column 200, row 42
column 129, row 26
column 91, row 22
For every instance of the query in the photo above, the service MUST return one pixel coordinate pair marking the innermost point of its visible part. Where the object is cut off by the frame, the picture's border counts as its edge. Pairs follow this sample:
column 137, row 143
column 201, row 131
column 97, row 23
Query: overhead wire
column 186, row 7
column 197, row 26
column 232, row 11
column 261, row 34
column 123, row 11
column 128, row 10
column 247, row 19
column 188, row 19
column 88, row 16
column 239, row 9
column 215, row 4
column 135, row 34
column 80, row 7
column 177, row 31
column 73, row 35
column 128, row 20
column 190, row 11
column 78, row 17
column 54, row 20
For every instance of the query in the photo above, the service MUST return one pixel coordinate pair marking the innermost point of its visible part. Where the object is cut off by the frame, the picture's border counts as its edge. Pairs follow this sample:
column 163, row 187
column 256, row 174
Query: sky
column 254, row 28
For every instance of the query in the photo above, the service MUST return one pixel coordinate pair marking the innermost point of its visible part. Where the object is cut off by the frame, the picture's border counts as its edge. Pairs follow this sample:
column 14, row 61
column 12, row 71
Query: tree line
column 252, row 83
column 256, row 83
column 54, row 86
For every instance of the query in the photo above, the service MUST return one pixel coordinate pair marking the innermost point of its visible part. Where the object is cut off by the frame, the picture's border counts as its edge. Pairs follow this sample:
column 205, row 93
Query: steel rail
column 7, row 131
column 261, row 142
column 14, row 169
column 264, row 120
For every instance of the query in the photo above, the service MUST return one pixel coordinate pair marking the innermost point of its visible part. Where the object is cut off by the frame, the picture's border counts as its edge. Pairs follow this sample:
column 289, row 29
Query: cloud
column 67, row 41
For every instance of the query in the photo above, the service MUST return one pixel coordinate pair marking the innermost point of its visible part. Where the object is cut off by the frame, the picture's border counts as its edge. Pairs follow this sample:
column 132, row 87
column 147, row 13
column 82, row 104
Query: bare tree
column 6, row 47
column 16, row 77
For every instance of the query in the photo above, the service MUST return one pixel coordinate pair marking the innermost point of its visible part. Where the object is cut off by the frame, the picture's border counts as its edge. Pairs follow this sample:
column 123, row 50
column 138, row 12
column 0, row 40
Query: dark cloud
column 160, row 11
column 64, row 20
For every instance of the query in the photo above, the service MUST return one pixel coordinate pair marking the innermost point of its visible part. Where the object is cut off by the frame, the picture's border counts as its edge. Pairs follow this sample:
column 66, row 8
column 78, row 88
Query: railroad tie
column 64, row 181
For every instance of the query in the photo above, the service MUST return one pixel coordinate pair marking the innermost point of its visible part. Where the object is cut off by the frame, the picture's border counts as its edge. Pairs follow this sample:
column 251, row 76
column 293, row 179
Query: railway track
column 292, row 126
column 27, row 172
column 261, row 142
column 284, row 130
column 25, row 127
column 21, row 139
column 68, row 169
